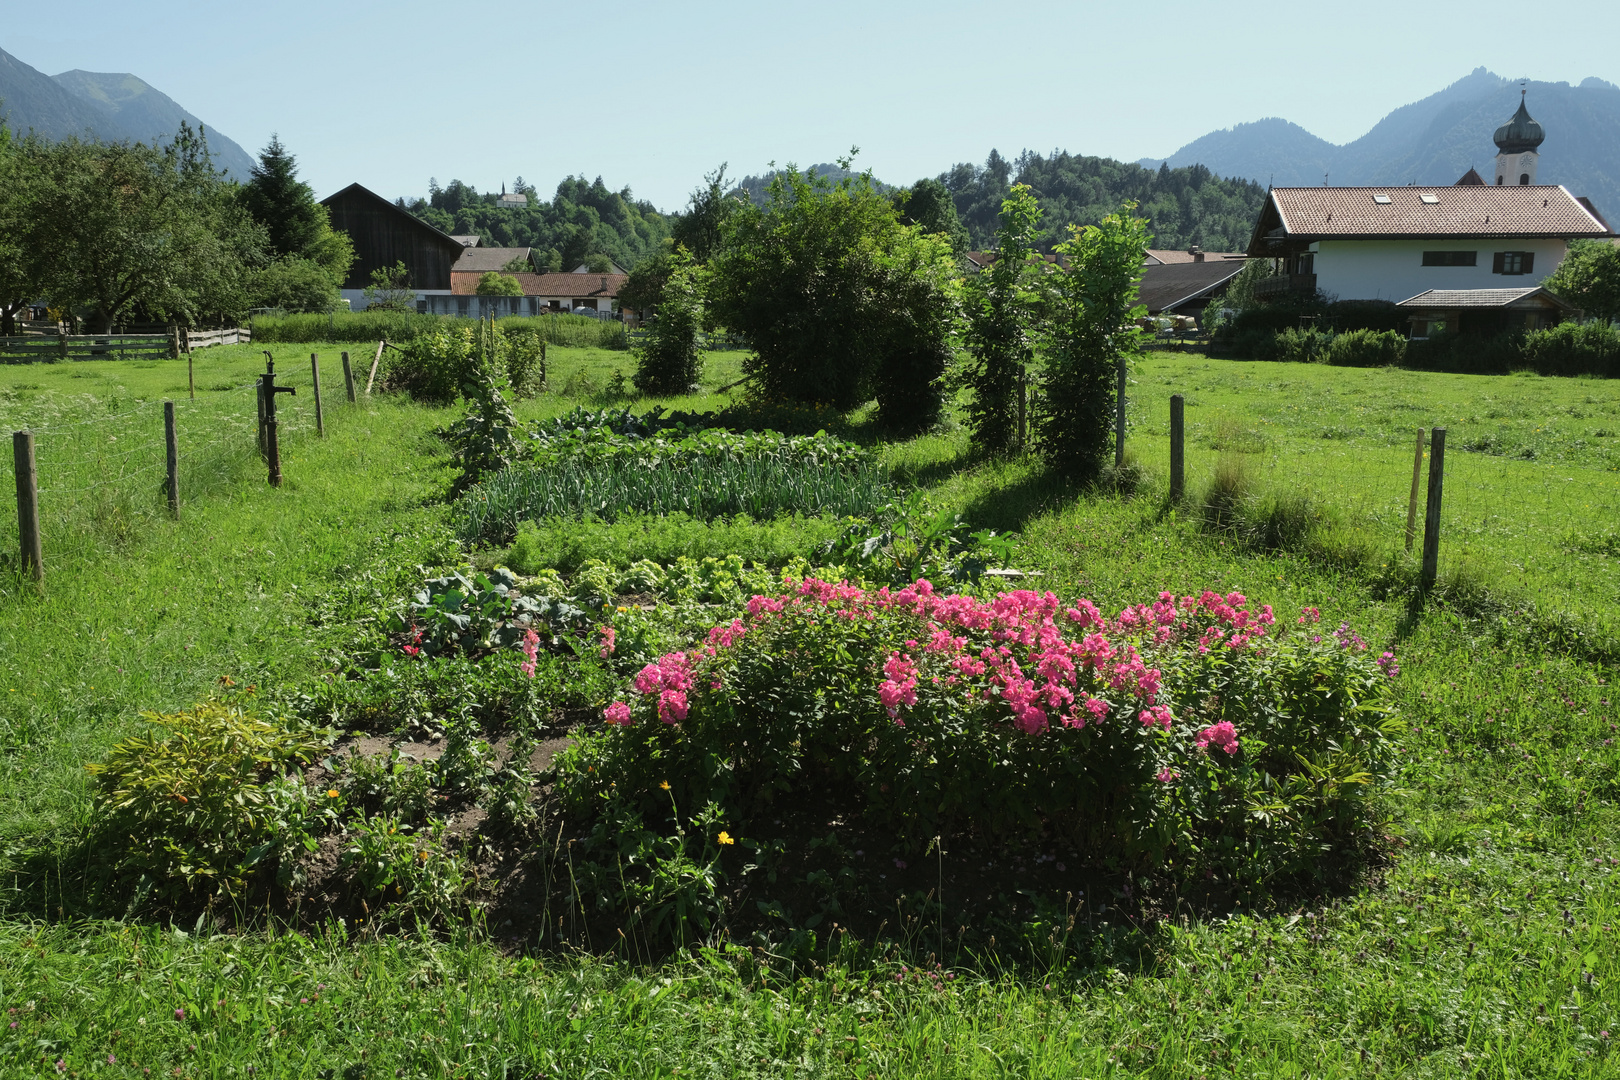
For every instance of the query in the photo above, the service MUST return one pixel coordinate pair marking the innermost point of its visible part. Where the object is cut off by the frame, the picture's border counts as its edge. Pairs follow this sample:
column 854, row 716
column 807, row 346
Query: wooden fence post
column 1178, row 446
column 315, row 379
column 1119, row 419
column 171, row 443
column 381, row 345
column 33, row 548
column 348, row 378
column 1431, row 520
column 1411, row 503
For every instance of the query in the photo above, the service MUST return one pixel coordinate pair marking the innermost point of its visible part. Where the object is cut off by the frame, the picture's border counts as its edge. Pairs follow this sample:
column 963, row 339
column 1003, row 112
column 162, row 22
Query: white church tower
column 1516, row 143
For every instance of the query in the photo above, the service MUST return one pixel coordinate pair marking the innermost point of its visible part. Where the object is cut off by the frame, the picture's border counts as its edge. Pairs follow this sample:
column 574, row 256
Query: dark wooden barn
column 384, row 234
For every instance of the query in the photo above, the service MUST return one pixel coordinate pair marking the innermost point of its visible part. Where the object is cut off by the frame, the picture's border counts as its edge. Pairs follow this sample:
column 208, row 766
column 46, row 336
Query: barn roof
column 1166, row 287
column 483, row 259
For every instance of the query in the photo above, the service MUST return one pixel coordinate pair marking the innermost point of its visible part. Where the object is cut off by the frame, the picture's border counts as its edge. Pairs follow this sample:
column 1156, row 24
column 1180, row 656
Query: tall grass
column 490, row 512
column 575, row 331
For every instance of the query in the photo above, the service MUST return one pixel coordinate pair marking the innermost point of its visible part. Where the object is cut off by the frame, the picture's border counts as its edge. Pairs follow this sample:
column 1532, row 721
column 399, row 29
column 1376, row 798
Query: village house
column 1394, row 243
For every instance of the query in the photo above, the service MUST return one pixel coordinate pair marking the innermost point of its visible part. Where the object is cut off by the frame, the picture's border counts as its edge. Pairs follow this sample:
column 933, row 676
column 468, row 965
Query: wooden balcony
column 1285, row 283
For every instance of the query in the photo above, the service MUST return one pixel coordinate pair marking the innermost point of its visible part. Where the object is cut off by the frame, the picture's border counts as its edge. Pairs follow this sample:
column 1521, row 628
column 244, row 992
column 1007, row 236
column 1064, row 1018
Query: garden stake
column 315, row 379
column 1431, row 520
column 33, row 550
column 381, row 345
column 1411, row 504
column 1178, row 447
column 171, row 444
column 267, row 394
column 1119, row 419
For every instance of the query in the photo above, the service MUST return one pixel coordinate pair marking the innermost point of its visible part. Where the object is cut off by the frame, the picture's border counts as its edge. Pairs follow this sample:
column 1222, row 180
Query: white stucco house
column 1393, row 243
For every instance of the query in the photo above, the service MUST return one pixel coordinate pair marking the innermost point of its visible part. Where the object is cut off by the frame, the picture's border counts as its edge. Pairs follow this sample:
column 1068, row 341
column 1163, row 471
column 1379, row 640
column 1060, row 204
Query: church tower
column 1516, row 143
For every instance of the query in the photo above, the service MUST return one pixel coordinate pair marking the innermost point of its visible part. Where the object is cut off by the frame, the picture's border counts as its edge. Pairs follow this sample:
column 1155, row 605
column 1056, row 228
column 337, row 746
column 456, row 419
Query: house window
column 1514, row 262
column 1451, row 258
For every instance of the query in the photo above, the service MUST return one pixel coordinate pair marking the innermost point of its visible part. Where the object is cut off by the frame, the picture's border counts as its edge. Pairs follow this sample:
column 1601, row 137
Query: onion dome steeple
column 1520, row 133
column 1516, row 142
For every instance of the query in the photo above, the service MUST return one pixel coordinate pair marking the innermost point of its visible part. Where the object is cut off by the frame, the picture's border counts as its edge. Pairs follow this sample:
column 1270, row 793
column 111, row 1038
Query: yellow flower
column 725, row 837
column 664, row 785
column 332, row 793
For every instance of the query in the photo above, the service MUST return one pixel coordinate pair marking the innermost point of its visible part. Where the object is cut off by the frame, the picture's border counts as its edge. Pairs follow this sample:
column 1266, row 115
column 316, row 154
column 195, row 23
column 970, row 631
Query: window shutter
column 1529, row 264
column 1496, row 263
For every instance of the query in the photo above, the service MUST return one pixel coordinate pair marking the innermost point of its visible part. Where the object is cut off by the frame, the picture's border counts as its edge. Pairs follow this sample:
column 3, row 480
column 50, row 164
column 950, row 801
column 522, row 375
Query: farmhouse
column 1183, row 283
column 1392, row 243
column 542, row 294
column 384, row 235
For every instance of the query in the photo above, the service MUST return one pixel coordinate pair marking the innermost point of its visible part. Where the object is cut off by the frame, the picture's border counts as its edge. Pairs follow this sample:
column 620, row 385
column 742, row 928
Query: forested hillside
column 582, row 218
column 1184, row 206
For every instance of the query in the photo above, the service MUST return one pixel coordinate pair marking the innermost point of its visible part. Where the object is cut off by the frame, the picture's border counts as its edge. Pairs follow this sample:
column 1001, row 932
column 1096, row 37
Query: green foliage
column 840, row 301
column 911, row 540
column 1573, row 349
column 670, row 360
column 567, row 543
column 1093, row 332
column 710, row 475
column 1003, row 309
column 464, row 359
column 195, row 811
column 115, row 228
column 1589, row 278
column 390, row 288
column 1185, row 206
column 406, row 876
column 701, row 230
column 583, row 218
column 472, row 616
column 928, row 205
column 294, row 284
column 486, row 439
column 498, row 284
column 391, row 786
column 1367, row 348
column 297, row 226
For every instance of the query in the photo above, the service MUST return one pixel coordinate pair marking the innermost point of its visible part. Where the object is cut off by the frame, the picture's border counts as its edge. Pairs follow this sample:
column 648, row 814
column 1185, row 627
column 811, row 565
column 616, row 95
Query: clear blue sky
column 653, row 95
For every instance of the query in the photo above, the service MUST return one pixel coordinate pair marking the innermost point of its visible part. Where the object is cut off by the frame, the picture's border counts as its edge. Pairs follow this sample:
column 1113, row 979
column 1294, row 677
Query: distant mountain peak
column 1433, row 141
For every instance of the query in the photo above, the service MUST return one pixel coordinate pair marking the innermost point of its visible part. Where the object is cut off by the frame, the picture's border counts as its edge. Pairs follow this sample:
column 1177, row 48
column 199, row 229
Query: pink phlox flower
column 610, row 640
column 1097, row 707
column 1309, row 616
column 617, row 713
column 672, row 706
column 1222, row 735
column 900, row 686
column 1388, row 664
column 1166, row 775
column 1156, row 714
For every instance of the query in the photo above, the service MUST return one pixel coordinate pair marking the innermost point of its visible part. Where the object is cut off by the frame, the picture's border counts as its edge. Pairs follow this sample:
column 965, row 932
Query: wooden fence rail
column 48, row 347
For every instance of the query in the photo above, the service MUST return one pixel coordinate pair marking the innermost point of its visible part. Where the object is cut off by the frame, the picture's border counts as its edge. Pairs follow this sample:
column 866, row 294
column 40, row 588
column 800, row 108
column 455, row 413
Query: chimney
column 1197, row 254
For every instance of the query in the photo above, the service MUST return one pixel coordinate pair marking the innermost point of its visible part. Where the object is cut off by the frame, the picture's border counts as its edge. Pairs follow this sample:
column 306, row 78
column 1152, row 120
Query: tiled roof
column 482, row 259
column 1170, row 258
column 1363, row 212
column 1479, row 298
column 558, row 286
column 1166, row 287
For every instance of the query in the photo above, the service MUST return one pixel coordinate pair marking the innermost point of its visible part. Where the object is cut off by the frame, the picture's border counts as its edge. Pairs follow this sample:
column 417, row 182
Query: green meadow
column 1480, row 943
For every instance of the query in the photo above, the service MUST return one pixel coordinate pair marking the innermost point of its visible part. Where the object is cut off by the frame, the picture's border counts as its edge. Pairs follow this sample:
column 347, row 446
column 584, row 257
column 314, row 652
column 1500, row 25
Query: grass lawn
column 1484, row 946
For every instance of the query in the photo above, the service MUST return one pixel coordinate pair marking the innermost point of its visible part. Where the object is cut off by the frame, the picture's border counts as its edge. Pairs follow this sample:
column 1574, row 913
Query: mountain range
column 106, row 106
column 1435, row 141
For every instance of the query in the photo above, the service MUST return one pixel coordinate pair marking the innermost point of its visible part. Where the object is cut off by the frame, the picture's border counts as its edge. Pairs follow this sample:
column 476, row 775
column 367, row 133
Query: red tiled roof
column 1354, row 213
column 558, row 286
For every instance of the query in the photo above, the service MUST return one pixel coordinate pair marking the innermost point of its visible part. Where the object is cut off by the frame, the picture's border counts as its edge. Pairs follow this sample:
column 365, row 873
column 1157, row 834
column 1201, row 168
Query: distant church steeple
column 1516, row 143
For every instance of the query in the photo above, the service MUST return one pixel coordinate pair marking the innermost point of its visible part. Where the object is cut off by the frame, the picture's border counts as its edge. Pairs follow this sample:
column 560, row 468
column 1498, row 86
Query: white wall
column 357, row 297
column 1394, row 270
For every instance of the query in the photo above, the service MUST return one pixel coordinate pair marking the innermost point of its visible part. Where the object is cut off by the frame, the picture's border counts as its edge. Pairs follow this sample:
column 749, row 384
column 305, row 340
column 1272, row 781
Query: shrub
column 1193, row 727
column 198, row 810
column 1574, row 349
column 670, row 360
column 1301, row 345
column 454, row 360
column 1367, row 348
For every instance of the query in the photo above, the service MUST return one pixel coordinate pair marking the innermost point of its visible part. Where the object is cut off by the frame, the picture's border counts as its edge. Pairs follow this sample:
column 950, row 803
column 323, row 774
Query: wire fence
column 101, row 462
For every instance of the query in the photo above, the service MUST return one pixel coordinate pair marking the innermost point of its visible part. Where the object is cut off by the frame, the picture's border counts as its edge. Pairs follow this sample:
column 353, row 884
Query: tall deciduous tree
column 701, row 229
column 1589, row 277
column 122, row 228
column 1093, row 332
column 1003, row 308
column 927, row 203
column 840, row 300
column 19, row 279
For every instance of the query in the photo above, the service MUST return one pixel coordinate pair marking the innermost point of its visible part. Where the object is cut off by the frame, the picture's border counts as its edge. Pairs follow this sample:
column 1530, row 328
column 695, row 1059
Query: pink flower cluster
column 531, row 653
column 899, row 686
column 1222, row 735
column 610, row 640
column 1388, row 665
column 670, row 678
